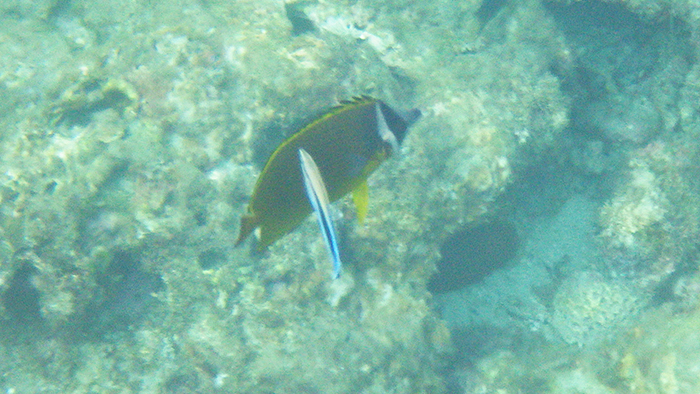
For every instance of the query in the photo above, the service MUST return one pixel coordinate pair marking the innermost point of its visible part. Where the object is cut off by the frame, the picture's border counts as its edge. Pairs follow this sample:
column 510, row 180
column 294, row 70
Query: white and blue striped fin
column 318, row 197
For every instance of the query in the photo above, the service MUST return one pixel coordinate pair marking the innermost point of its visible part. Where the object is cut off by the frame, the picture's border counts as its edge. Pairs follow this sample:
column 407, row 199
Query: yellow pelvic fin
column 360, row 196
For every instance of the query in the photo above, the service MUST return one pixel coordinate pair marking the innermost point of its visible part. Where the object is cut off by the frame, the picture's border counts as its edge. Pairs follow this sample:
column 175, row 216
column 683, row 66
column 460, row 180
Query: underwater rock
column 623, row 118
column 128, row 295
column 39, row 8
column 638, row 206
column 98, row 170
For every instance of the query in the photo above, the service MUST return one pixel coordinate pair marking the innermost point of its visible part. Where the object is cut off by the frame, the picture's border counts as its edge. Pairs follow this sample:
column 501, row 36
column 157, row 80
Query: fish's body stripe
column 384, row 131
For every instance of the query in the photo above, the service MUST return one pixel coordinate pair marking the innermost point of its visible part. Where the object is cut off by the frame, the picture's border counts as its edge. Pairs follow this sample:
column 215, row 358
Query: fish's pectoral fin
column 360, row 196
column 248, row 224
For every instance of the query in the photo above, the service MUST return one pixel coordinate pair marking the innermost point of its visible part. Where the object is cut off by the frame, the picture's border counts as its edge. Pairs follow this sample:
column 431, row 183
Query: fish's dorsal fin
column 360, row 196
column 361, row 99
column 343, row 106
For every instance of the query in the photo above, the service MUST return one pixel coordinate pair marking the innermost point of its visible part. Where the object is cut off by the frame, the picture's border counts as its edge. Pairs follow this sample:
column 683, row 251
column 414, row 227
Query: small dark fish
column 471, row 254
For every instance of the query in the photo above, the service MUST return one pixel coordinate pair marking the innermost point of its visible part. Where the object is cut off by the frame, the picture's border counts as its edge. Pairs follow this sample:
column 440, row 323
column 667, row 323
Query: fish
column 347, row 144
column 318, row 197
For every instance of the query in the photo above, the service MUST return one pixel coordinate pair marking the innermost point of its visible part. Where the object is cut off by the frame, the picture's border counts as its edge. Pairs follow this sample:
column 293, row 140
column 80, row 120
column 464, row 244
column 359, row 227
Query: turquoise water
column 558, row 135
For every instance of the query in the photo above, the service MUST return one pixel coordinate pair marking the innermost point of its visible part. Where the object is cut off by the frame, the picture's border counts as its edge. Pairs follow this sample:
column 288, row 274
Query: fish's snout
column 411, row 116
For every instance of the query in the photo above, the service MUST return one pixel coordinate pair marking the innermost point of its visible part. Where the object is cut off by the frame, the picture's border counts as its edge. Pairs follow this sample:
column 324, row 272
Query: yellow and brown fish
column 347, row 144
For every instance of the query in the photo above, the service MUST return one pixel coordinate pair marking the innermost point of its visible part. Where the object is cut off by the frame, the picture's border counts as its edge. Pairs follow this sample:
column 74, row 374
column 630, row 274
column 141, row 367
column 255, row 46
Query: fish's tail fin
column 248, row 224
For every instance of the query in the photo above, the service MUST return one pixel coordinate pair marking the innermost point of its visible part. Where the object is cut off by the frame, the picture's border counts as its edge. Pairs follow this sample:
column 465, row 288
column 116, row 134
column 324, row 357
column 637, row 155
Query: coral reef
column 657, row 354
column 624, row 118
column 126, row 167
column 133, row 132
column 588, row 308
column 640, row 205
column 629, row 67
